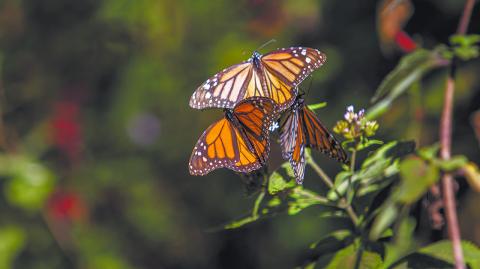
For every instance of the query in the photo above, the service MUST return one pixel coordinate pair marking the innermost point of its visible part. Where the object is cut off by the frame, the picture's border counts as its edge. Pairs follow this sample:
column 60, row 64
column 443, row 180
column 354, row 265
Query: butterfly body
column 274, row 75
column 301, row 128
column 255, row 59
column 239, row 141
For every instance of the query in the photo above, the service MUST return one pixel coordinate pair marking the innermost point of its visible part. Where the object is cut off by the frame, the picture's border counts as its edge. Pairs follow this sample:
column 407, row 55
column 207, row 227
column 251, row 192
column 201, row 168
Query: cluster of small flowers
column 355, row 125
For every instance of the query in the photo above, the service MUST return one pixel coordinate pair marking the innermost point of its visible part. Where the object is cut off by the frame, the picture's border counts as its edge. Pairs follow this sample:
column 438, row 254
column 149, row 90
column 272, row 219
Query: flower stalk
column 343, row 203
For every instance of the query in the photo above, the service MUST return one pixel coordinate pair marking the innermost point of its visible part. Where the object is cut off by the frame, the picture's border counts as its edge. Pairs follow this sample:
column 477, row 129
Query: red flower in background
column 66, row 206
column 391, row 19
column 405, row 42
column 66, row 129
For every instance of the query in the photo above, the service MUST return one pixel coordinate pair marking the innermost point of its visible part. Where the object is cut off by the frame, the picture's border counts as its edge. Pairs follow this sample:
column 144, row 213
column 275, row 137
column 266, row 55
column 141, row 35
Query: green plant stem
column 352, row 169
column 260, row 197
column 358, row 257
column 445, row 149
column 318, row 198
column 326, row 179
column 352, row 161
column 256, row 206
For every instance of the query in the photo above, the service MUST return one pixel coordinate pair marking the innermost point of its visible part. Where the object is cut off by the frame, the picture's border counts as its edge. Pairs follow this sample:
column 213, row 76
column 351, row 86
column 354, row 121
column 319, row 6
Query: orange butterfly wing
column 227, row 88
column 285, row 69
column 274, row 75
column 319, row 138
column 293, row 141
column 240, row 143
column 256, row 116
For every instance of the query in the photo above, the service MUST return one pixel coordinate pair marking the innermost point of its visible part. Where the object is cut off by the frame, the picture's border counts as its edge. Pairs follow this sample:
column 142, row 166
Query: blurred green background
column 97, row 130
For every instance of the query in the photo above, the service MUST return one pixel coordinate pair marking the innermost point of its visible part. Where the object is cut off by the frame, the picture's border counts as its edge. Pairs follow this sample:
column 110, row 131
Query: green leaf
column 342, row 177
column 288, row 169
column 408, row 70
column 442, row 250
column 429, row 153
column 454, row 163
column 325, row 243
column 330, row 243
column 368, row 143
column 417, row 176
column 403, row 243
column 310, row 265
column 347, row 257
column 411, row 68
column 239, row 223
column 394, row 149
column 380, row 164
column 13, row 241
column 303, row 198
column 466, row 53
column 317, row 106
column 385, row 218
column 472, row 174
column 276, row 183
column 464, row 40
column 30, row 185
column 274, row 202
column 465, row 46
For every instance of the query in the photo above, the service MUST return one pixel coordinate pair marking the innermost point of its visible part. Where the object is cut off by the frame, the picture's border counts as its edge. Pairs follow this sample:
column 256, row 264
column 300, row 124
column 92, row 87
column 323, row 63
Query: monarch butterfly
column 274, row 75
column 239, row 141
column 301, row 128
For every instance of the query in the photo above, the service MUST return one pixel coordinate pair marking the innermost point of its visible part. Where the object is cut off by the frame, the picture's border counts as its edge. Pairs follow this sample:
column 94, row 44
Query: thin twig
column 326, row 179
column 447, row 179
column 445, row 150
column 465, row 19
column 314, row 196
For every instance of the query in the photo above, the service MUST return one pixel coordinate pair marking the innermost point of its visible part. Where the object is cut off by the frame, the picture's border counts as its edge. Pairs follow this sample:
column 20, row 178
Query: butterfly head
column 228, row 113
column 299, row 101
column 256, row 58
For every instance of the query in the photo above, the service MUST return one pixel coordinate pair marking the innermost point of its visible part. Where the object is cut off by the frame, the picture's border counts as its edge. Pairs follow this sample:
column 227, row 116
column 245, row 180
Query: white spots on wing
column 273, row 126
column 308, row 60
column 206, row 86
column 304, row 52
column 208, row 95
column 204, row 159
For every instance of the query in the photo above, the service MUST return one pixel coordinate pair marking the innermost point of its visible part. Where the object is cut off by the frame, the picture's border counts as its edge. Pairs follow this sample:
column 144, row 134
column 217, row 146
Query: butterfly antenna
column 266, row 44
column 309, row 86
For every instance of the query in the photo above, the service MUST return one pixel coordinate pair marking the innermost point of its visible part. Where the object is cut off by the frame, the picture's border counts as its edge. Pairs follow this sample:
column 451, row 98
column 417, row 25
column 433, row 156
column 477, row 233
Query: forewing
column 255, row 115
column 285, row 69
column 319, row 138
column 225, row 89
